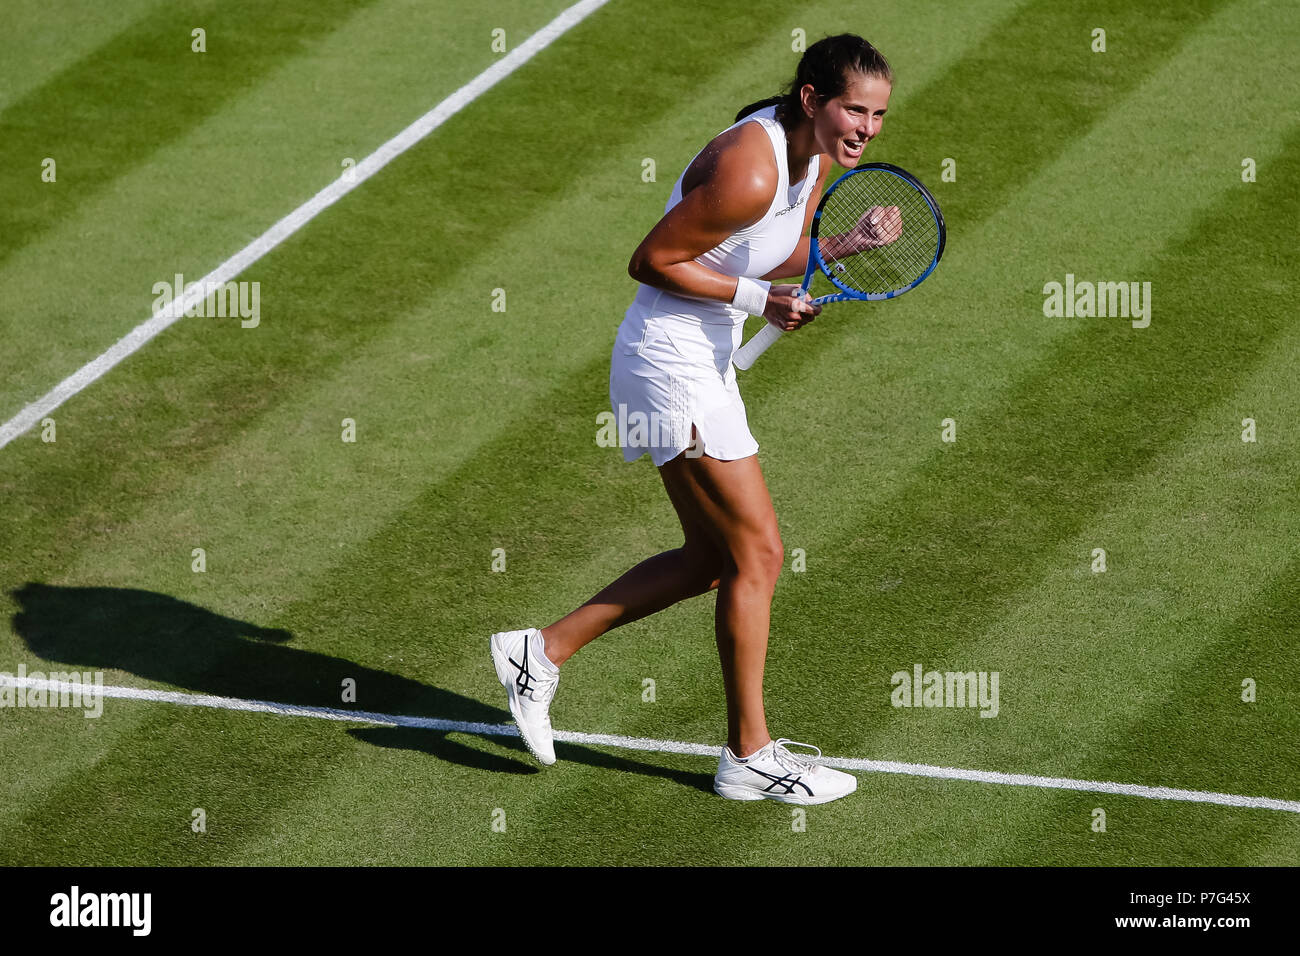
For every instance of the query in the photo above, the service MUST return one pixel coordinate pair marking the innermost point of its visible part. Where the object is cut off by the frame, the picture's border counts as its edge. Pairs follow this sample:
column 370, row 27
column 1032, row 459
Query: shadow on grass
column 163, row 639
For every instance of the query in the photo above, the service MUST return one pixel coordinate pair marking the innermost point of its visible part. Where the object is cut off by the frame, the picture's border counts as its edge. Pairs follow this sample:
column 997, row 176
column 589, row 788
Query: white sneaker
column 774, row 773
column 530, row 680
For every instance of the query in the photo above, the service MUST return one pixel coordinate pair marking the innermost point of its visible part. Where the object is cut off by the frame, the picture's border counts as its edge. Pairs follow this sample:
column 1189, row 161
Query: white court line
column 138, row 337
column 655, row 746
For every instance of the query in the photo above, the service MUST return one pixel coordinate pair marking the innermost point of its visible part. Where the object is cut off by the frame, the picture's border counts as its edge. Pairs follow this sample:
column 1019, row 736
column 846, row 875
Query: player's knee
column 762, row 557
column 774, row 556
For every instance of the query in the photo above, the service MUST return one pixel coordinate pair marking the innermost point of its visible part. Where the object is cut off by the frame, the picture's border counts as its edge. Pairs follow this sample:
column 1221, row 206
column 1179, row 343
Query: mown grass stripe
column 31, row 53
column 295, row 220
column 1186, row 719
column 109, row 112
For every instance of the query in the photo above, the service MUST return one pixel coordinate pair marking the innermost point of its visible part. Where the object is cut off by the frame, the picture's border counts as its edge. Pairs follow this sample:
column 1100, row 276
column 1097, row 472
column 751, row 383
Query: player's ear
column 808, row 99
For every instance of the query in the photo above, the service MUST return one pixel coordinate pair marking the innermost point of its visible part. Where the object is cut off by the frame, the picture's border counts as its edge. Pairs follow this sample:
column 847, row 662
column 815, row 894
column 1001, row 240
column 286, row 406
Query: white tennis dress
column 671, row 364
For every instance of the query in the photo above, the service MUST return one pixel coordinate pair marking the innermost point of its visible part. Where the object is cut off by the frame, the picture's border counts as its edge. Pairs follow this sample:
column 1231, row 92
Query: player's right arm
column 731, row 185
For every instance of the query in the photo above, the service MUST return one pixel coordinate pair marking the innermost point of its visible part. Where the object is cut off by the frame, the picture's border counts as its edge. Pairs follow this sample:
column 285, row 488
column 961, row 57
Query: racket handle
column 748, row 353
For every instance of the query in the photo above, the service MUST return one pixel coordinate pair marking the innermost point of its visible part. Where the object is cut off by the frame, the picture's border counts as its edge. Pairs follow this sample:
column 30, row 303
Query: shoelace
column 797, row 763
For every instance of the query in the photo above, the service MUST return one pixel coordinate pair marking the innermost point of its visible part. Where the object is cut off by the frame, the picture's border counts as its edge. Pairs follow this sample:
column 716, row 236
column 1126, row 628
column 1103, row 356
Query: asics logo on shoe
column 524, row 679
column 782, row 781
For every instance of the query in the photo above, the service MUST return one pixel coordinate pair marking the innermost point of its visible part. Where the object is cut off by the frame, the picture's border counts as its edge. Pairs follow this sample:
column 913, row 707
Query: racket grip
column 748, row 353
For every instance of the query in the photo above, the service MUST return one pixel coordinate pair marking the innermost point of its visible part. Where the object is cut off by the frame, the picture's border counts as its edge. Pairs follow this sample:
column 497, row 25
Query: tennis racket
column 877, row 233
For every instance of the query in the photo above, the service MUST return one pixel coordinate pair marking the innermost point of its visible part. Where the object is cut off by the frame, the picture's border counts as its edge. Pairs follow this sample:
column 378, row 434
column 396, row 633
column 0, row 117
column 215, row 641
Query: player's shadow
column 163, row 639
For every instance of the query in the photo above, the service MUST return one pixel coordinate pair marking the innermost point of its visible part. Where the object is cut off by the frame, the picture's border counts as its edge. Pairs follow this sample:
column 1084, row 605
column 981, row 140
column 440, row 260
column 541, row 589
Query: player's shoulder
column 746, row 152
column 741, row 165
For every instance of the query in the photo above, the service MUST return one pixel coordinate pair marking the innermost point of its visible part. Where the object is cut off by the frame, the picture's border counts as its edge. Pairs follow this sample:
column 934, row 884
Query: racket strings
column 885, row 268
column 898, row 262
column 886, row 190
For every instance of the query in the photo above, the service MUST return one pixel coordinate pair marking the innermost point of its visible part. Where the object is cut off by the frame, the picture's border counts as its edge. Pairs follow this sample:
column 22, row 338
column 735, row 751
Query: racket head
column 888, row 270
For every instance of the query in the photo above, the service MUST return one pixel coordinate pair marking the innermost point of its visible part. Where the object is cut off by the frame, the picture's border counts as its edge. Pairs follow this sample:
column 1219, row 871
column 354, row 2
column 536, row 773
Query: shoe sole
column 500, row 661
column 736, row 792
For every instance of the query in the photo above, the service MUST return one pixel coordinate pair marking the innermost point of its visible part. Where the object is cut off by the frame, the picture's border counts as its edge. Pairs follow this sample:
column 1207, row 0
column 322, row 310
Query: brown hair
column 826, row 65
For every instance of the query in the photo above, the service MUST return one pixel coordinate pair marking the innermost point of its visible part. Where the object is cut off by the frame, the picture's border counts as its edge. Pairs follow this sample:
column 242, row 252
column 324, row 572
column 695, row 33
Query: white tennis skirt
column 669, row 371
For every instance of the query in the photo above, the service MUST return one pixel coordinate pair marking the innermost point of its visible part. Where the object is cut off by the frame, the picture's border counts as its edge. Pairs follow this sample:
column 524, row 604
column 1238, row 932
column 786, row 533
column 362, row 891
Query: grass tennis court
column 372, row 560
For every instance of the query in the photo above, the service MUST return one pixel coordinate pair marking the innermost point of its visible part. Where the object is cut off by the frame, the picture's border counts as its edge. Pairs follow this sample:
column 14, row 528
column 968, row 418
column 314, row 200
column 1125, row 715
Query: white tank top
column 753, row 251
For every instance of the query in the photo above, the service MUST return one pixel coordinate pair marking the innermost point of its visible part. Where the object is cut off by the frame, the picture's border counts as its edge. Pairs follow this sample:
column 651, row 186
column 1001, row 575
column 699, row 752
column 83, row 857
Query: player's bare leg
column 732, row 500
column 654, row 584
column 732, row 544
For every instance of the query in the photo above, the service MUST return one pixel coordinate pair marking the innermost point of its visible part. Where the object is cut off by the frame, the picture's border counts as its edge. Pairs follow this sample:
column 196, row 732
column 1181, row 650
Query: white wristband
column 751, row 295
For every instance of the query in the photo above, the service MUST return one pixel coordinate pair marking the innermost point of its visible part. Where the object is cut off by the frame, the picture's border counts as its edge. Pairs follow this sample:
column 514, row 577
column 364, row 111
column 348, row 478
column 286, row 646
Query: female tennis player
column 737, row 220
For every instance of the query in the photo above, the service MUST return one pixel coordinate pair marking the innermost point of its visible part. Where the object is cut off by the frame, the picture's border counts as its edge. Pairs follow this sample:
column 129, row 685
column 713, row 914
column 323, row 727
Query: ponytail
column 760, row 105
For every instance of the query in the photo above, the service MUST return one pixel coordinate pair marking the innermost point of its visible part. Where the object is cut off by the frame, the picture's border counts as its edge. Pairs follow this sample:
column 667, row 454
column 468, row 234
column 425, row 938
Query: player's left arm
column 794, row 266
